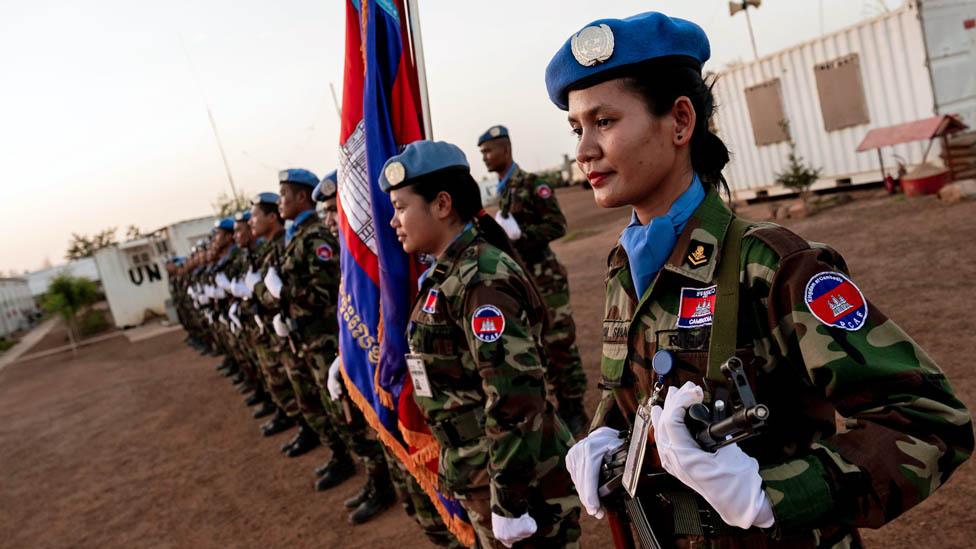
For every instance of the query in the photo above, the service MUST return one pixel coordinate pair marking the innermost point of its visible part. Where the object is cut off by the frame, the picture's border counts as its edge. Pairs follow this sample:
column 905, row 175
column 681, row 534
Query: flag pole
column 413, row 20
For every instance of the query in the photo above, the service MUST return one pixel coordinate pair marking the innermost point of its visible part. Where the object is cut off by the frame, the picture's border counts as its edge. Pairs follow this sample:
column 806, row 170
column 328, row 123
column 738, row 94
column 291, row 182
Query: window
column 765, row 103
column 841, row 92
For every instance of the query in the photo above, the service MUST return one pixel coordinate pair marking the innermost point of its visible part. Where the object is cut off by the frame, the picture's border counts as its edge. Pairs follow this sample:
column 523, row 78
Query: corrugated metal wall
column 950, row 34
column 897, row 88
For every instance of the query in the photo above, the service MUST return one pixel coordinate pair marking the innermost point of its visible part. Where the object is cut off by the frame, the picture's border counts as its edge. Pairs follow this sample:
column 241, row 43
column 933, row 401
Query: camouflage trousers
column 419, row 507
column 308, row 397
column 566, row 377
column 559, row 527
column 345, row 428
column 275, row 376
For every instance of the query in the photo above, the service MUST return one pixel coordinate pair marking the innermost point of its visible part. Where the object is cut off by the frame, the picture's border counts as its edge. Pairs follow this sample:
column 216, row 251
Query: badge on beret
column 836, row 301
column 543, row 191
column 495, row 131
column 592, row 45
column 324, row 252
column 395, row 173
column 488, row 323
column 283, row 176
column 327, row 188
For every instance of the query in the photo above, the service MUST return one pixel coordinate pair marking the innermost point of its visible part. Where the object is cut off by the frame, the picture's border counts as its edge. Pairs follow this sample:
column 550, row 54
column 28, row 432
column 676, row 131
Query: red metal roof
column 926, row 128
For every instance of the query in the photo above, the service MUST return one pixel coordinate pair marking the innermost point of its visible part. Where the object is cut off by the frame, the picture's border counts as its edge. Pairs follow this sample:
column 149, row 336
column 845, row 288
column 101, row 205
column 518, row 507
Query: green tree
column 227, row 205
column 797, row 176
column 66, row 297
column 85, row 246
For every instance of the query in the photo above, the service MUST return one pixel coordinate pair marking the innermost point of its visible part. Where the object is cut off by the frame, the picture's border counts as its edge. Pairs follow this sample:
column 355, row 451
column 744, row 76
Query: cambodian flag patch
column 543, row 191
column 836, row 301
column 324, row 252
column 430, row 304
column 696, row 307
column 487, row 323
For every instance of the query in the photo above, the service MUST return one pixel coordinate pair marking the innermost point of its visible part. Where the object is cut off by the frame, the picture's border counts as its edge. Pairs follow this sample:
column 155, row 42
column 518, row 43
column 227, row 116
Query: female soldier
column 477, row 359
column 690, row 286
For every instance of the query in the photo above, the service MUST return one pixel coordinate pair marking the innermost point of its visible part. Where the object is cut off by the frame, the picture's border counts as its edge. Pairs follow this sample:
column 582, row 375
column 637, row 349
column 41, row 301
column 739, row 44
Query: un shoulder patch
column 834, row 300
column 543, row 191
column 488, row 323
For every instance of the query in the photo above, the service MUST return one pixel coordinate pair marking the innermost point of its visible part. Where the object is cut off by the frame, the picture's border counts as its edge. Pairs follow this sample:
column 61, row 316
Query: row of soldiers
column 262, row 292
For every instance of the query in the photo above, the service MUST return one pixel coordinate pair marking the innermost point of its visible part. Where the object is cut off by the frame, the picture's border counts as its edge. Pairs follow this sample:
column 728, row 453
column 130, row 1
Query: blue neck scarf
column 425, row 274
column 291, row 230
column 503, row 182
column 649, row 246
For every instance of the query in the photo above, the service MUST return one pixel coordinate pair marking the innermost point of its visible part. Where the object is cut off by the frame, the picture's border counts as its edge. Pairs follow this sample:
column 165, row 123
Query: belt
column 458, row 430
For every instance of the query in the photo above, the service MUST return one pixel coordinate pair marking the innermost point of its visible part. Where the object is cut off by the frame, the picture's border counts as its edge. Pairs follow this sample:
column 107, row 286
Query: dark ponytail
column 660, row 83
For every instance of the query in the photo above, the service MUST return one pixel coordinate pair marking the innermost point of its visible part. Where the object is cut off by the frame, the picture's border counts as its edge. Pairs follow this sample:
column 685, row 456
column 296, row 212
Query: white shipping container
column 819, row 86
column 16, row 305
column 180, row 237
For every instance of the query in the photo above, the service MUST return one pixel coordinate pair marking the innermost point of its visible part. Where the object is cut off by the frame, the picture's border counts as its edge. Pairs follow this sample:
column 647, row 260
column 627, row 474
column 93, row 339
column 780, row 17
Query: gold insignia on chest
column 699, row 253
column 697, row 257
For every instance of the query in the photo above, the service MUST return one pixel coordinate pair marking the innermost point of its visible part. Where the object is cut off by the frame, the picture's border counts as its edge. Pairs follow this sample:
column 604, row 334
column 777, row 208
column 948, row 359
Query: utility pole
column 744, row 5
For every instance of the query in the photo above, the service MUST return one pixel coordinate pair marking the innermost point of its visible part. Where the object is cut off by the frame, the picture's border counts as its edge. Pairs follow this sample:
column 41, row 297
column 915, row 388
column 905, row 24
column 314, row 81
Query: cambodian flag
column 381, row 113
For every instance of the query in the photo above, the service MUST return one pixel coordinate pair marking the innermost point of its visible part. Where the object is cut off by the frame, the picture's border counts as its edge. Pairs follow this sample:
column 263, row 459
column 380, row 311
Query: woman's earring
column 680, row 136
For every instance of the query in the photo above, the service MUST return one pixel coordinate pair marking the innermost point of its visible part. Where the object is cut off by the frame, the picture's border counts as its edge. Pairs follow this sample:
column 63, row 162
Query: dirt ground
column 145, row 445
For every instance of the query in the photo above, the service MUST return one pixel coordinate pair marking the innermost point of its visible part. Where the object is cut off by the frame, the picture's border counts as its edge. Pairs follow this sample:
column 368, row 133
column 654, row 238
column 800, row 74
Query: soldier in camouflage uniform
column 309, row 274
column 690, row 286
column 530, row 214
column 477, row 357
column 267, row 226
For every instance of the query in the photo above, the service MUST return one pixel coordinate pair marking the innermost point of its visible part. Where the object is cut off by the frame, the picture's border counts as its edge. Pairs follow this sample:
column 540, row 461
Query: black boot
column 238, row 378
column 379, row 496
column 304, row 442
column 231, row 371
column 358, row 498
column 335, row 472
column 246, row 387
column 264, row 410
column 256, row 398
column 278, row 424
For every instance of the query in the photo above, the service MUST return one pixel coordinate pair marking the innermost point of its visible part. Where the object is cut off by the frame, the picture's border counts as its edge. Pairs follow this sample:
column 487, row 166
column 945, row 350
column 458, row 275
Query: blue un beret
column 326, row 188
column 494, row 132
column 243, row 217
column 226, row 224
column 298, row 176
column 265, row 198
column 608, row 44
column 420, row 158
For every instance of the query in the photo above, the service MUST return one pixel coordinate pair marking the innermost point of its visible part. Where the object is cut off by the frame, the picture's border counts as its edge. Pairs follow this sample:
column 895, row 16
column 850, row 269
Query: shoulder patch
column 836, row 301
column 430, row 304
column 324, row 252
column 543, row 191
column 488, row 323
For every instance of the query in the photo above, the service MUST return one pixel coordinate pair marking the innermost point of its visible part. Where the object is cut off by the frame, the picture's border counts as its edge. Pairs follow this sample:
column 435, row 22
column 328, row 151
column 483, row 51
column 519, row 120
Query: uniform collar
column 503, row 182
column 697, row 251
column 453, row 251
column 300, row 219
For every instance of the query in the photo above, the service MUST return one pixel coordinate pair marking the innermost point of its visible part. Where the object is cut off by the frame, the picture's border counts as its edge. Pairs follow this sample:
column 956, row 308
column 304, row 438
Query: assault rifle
column 712, row 428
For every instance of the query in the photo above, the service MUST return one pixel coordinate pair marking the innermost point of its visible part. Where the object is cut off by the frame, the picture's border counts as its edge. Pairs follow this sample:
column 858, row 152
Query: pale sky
column 102, row 123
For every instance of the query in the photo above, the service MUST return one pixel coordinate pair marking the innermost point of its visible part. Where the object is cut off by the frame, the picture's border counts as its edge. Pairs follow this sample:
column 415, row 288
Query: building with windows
column 17, row 309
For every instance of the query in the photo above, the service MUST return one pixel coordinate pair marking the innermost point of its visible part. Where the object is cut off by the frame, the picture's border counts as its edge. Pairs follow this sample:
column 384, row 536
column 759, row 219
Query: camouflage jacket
column 477, row 324
column 905, row 431
column 264, row 305
column 532, row 202
column 309, row 272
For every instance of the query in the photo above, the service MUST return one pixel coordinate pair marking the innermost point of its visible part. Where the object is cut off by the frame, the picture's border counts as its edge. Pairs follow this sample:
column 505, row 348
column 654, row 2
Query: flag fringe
column 426, row 478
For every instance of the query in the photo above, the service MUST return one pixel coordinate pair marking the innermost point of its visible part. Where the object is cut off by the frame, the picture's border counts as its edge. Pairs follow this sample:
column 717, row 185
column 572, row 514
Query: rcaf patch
column 324, row 252
column 543, row 191
column 430, row 304
column 836, row 301
column 488, row 323
column 696, row 307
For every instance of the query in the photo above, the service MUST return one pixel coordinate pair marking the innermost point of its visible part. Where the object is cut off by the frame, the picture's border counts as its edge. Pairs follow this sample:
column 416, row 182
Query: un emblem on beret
column 592, row 45
column 495, row 131
column 395, row 173
column 328, row 188
column 283, row 176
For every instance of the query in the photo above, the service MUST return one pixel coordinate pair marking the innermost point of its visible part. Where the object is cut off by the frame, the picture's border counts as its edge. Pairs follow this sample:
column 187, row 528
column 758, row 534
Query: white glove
column 273, row 282
column 728, row 479
column 583, row 463
column 508, row 223
column 222, row 281
column 251, row 279
column 280, row 327
column 334, row 383
column 234, row 319
column 241, row 290
column 260, row 323
column 509, row 530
